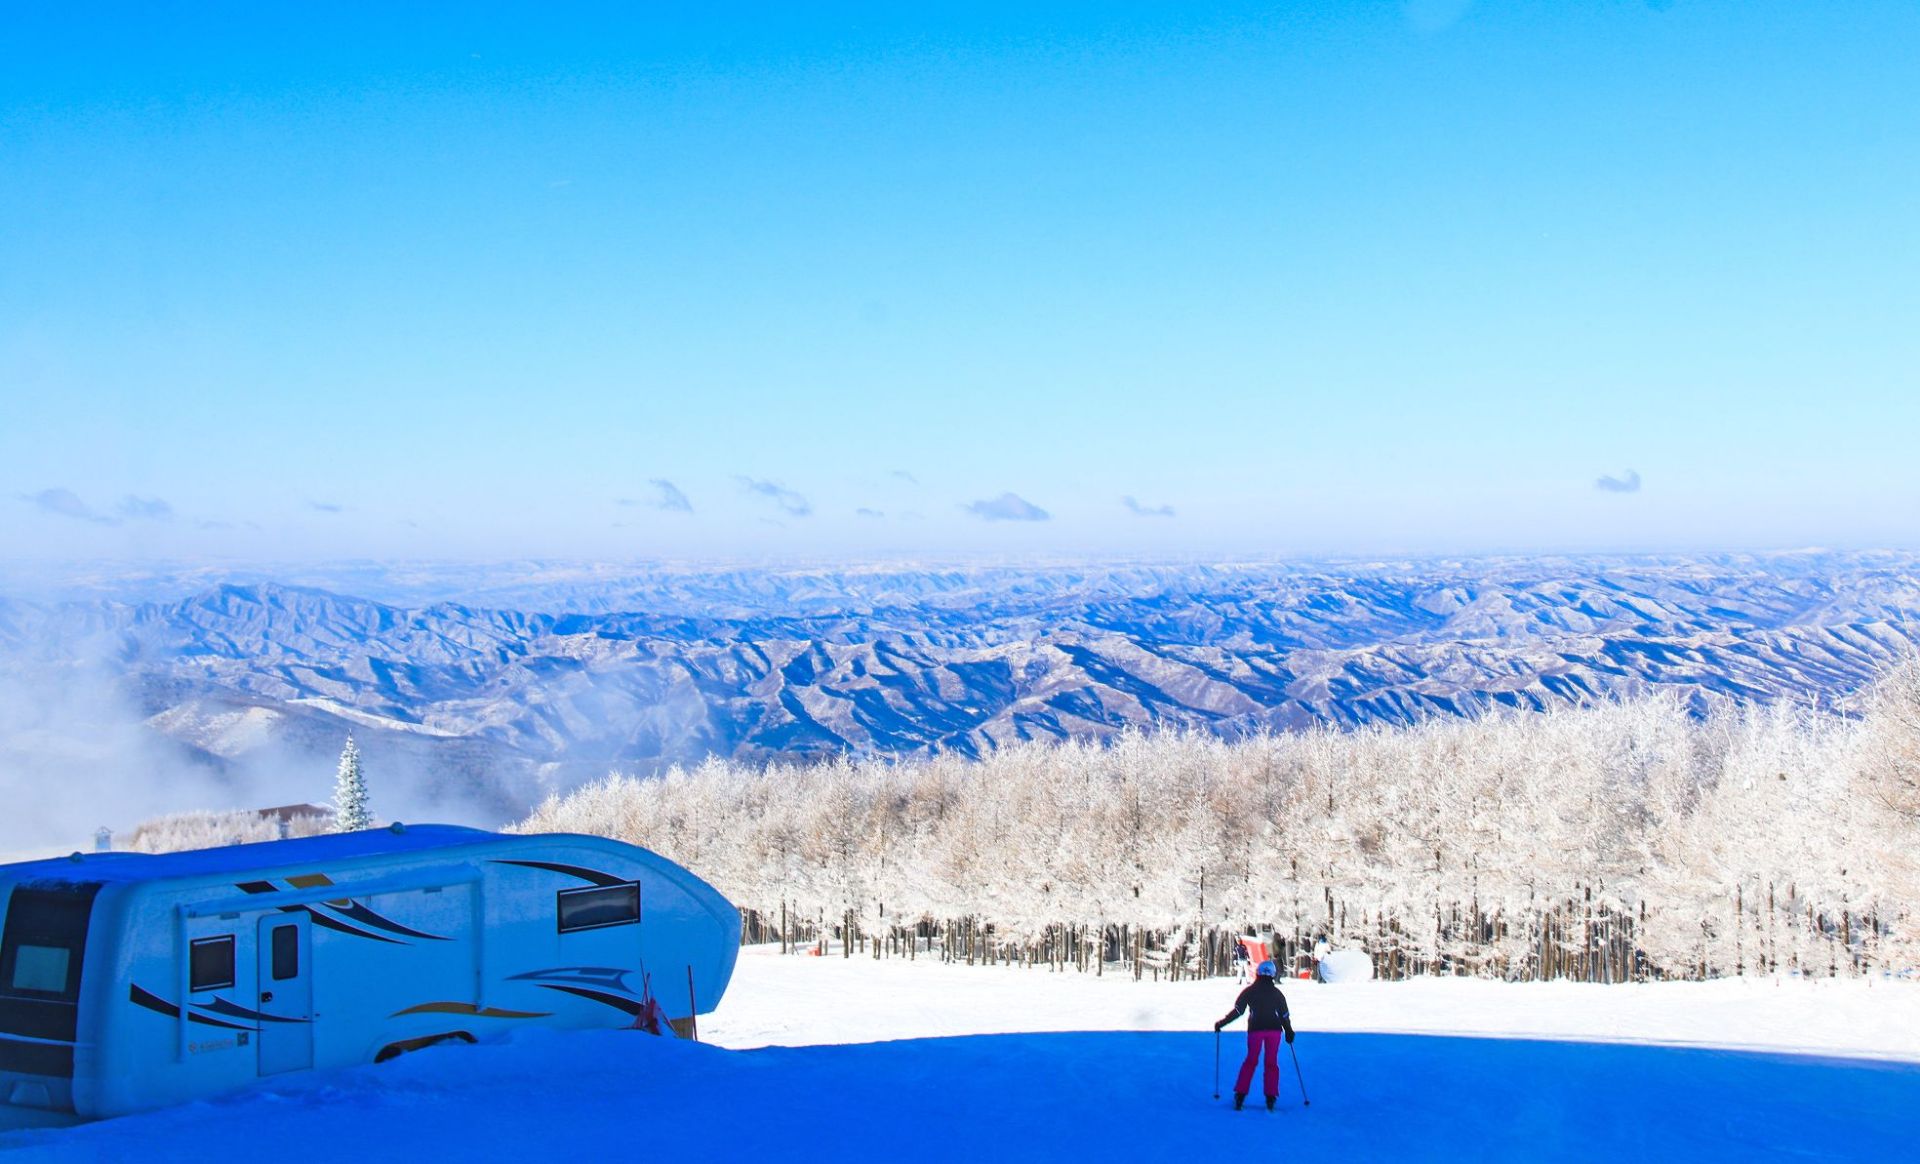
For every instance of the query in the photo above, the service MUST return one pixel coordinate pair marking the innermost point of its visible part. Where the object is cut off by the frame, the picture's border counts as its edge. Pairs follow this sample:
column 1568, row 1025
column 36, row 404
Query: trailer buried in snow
column 131, row 981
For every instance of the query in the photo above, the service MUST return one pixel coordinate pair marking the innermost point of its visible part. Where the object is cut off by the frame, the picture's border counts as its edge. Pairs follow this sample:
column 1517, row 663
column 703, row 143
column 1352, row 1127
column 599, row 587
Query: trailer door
column 286, row 993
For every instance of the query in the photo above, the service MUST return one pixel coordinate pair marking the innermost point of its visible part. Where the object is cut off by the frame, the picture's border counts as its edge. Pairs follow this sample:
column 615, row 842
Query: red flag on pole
column 1256, row 953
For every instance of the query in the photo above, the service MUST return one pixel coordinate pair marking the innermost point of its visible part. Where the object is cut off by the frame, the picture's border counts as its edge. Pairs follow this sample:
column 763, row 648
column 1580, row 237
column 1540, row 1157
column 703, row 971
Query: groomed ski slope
column 1092, row 1070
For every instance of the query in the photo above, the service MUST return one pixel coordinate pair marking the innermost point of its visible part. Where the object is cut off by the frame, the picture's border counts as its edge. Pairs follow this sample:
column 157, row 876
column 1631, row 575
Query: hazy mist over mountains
column 477, row 690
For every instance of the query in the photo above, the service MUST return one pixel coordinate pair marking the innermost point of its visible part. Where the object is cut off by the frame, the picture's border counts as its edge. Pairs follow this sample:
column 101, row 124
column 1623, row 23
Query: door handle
column 266, row 996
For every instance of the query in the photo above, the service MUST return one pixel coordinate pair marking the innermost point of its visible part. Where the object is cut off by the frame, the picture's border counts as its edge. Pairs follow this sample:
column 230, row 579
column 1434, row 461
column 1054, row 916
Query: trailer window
column 45, row 938
column 41, row 969
column 212, row 966
column 593, row 909
column 286, row 952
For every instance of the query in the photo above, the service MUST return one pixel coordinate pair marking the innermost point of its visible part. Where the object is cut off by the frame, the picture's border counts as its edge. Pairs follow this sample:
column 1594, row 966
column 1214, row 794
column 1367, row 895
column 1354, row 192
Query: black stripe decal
column 610, row 977
column 321, row 919
column 154, row 1002
column 351, row 909
column 592, row 875
column 234, row 1010
column 629, row 1005
column 367, row 917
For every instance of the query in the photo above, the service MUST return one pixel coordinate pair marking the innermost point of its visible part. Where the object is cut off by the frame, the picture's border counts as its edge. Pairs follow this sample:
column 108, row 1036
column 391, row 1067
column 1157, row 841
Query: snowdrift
column 621, row 1095
column 1346, row 966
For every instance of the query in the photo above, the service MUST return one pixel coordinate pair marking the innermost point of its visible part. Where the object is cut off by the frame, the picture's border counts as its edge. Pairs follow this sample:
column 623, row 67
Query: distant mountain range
column 498, row 689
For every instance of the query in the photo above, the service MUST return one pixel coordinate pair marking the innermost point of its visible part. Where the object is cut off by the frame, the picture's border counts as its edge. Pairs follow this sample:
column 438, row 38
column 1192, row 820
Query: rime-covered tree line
column 1619, row 841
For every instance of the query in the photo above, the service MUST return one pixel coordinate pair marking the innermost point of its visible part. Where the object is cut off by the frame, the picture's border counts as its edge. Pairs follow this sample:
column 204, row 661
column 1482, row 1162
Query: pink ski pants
column 1257, row 1042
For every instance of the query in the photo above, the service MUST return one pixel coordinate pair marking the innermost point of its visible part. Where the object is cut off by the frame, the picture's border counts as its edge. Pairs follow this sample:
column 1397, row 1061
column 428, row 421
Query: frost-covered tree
column 206, row 830
column 1622, row 839
column 351, row 809
column 1893, row 762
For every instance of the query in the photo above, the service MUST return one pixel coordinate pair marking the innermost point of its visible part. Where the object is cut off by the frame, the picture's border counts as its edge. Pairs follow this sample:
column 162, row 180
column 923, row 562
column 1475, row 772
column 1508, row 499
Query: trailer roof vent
column 396, row 827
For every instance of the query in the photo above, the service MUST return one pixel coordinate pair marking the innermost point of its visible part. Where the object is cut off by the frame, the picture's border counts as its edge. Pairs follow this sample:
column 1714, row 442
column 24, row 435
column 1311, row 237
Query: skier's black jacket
column 1264, row 1005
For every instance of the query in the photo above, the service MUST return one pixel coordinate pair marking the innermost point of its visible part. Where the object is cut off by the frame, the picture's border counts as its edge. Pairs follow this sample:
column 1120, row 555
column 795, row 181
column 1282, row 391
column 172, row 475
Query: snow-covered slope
column 1103, row 1068
column 802, row 1000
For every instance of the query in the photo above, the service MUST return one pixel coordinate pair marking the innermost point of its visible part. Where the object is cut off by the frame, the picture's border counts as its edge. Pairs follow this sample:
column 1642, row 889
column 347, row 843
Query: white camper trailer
column 131, row 981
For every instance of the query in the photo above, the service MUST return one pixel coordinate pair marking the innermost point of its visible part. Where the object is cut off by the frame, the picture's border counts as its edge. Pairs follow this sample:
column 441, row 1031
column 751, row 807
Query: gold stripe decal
column 309, row 880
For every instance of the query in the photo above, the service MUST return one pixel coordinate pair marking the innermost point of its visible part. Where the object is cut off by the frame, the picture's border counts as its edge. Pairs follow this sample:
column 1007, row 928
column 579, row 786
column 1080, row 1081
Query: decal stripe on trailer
column 367, row 917
column 154, row 1002
column 351, row 909
column 593, row 875
column 629, row 1005
column 606, row 985
column 234, row 1010
column 608, row 977
column 333, row 923
column 467, row 1008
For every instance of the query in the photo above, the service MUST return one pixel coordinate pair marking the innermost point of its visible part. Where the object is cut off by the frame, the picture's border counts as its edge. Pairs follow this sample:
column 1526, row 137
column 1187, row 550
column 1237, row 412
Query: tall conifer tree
column 350, row 808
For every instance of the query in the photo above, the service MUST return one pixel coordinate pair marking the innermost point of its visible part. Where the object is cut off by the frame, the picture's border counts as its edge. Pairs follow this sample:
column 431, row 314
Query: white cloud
column 1139, row 510
column 66, row 503
column 1008, row 507
column 789, row 501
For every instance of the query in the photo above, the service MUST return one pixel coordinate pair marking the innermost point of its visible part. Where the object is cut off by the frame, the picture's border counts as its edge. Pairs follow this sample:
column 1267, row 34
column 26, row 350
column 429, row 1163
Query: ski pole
column 1304, row 1101
column 1216, row 1062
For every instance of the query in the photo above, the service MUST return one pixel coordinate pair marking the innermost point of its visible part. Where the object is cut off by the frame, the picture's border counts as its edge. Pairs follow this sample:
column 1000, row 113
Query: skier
column 1267, row 1020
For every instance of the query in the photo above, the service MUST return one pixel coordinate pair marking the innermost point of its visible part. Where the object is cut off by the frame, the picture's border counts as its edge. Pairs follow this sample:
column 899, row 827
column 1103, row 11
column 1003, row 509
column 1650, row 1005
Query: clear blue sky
column 319, row 281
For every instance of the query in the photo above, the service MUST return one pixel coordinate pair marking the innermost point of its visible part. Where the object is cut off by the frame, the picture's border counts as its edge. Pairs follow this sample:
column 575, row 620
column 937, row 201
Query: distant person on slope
column 1267, row 1019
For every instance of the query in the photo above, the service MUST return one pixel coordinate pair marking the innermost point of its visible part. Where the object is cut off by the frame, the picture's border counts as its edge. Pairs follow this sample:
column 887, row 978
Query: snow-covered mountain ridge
column 517, row 688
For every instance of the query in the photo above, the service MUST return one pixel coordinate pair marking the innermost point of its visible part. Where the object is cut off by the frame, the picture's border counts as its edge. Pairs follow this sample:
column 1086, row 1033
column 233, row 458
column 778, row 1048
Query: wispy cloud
column 863, row 511
column 66, row 503
column 1628, row 482
column 144, row 509
column 909, row 478
column 785, row 498
column 1007, row 507
column 1138, row 510
column 326, row 506
column 666, row 495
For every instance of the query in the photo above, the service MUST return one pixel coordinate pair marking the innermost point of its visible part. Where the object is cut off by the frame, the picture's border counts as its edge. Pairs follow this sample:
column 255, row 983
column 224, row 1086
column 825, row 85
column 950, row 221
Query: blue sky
column 1296, row 279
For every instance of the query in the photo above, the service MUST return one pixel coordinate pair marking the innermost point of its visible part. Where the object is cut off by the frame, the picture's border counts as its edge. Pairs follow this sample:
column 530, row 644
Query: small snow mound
column 1346, row 966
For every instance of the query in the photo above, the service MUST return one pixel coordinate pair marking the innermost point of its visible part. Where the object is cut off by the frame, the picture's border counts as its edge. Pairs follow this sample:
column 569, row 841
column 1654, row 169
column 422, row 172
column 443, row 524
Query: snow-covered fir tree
column 350, row 805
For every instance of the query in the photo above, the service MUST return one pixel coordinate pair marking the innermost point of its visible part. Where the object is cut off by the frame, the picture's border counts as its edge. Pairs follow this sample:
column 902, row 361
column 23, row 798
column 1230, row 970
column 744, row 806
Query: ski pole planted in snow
column 1304, row 1101
column 693, row 1009
column 1216, row 1062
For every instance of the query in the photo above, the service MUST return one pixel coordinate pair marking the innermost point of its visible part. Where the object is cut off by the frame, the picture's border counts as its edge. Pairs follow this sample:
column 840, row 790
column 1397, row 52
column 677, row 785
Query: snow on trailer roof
column 235, row 859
